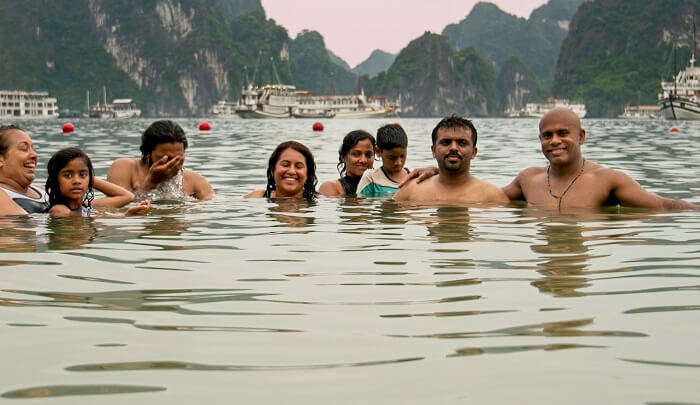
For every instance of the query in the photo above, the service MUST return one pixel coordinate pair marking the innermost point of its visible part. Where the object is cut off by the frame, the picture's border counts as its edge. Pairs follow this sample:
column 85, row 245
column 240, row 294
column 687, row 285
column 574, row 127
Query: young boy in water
column 391, row 148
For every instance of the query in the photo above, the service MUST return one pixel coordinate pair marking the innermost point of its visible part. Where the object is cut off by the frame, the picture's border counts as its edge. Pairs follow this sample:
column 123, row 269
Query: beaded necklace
column 560, row 197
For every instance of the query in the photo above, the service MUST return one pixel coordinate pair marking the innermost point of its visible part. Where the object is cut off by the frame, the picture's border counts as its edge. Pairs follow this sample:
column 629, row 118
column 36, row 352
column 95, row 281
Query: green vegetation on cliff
column 433, row 80
column 314, row 70
column 498, row 35
column 617, row 52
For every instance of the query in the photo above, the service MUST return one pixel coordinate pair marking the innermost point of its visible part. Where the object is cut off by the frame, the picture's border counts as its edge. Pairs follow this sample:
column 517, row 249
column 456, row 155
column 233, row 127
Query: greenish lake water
column 357, row 300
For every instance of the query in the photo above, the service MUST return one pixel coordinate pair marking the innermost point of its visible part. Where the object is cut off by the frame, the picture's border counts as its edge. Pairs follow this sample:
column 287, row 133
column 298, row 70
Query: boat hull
column 361, row 114
column 261, row 114
column 679, row 109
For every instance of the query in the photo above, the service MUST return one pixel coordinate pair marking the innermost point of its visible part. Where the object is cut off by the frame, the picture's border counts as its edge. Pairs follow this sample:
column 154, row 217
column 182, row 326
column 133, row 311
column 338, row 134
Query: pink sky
column 352, row 29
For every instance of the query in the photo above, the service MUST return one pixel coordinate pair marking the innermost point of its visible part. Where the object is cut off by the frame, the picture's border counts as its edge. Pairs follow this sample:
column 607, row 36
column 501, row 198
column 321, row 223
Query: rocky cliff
column 173, row 57
column 431, row 79
column 517, row 85
column 617, row 51
column 498, row 35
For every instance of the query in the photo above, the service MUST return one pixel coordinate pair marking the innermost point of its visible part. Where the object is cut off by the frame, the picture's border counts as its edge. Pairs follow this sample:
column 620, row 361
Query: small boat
column 641, row 112
column 120, row 108
column 343, row 106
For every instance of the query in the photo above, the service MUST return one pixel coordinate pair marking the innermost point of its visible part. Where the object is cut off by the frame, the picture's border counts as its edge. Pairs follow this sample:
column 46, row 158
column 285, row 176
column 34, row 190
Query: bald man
column 570, row 180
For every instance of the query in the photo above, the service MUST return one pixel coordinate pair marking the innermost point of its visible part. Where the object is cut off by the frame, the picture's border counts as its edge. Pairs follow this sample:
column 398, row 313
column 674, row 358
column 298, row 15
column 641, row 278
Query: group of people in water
column 568, row 181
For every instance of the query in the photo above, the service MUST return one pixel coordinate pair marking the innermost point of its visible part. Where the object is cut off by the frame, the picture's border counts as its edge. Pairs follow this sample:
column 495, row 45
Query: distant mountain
column 617, row 51
column 499, row 35
column 378, row 61
column 313, row 69
column 431, row 79
column 339, row 61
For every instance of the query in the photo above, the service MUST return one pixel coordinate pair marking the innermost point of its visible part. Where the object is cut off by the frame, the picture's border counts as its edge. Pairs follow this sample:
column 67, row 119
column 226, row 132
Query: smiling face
column 561, row 137
column 359, row 158
column 18, row 164
column 73, row 181
column 290, row 174
column 454, row 149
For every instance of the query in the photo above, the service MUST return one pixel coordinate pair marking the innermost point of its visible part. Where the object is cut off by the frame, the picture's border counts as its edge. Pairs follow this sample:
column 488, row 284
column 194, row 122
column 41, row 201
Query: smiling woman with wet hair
column 18, row 162
column 291, row 173
column 356, row 155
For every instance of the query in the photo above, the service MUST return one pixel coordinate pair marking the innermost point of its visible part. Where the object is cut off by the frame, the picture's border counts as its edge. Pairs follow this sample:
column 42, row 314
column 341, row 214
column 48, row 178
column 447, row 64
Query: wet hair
column 391, row 136
column 58, row 161
column 163, row 131
column 4, row 130
column 311, row 180
column 350, row 140
column 453, row 122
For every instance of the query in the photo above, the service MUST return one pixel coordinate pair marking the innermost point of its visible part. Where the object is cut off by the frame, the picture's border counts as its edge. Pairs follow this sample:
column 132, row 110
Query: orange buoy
column 317, row 126
column 675, row 129
column 204, row 126
column 68, row 127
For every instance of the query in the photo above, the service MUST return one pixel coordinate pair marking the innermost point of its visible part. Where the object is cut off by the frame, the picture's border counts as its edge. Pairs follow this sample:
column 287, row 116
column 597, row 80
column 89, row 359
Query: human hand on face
column 163, row 169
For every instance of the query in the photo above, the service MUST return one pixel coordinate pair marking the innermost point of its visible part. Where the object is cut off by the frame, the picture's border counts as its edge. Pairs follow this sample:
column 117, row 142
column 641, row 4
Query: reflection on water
column 403, row 304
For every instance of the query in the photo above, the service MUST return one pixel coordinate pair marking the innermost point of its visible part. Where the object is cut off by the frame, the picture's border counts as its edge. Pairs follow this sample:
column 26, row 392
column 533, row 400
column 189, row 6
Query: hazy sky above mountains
column 353, row 29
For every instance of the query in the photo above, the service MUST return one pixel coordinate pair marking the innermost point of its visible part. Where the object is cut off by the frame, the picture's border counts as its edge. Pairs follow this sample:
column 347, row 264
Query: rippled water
column 346, row 301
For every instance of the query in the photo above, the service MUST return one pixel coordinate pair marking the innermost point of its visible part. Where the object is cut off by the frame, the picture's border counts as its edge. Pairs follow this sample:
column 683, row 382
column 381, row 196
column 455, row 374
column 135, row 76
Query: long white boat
column 538, row 110
column 680, row 99
column 27, row 104
column 344, row 106
column 284, row 101
column 641, row 112
column 270, row 101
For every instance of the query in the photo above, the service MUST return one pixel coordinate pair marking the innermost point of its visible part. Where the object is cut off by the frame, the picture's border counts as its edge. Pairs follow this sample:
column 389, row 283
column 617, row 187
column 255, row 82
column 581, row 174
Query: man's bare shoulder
column 488, row 192
column 531, row 172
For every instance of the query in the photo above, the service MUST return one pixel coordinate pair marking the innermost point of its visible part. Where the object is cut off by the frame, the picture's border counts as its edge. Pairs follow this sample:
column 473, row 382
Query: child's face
column 393, row 159
column 73, row 181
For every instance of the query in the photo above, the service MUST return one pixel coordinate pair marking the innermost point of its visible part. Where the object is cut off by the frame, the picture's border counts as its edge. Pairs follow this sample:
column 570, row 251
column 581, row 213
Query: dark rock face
column 517, row 86
column 617, row 52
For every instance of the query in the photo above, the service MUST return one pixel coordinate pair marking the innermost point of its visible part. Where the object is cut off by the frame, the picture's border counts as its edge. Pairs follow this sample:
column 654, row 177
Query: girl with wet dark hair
column 291, row 173
column 355, row 155
column 70, row 186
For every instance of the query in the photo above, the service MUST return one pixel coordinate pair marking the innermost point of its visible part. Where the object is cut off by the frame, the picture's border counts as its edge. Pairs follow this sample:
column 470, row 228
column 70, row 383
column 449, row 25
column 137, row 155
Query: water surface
column 346, row 300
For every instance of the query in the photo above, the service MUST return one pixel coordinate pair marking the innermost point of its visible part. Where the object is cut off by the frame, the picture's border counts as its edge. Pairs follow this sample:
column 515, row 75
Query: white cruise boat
column 344, row 106
column 641, row 112
column 538, row 110
column 27, row 104
column 269, row 101
column 680, row 99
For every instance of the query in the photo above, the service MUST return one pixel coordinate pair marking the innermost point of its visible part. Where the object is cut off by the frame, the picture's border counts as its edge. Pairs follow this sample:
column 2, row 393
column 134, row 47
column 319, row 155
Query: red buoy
column 397, row 124
column 675, row 129
column 68, row 127
column 204, row 126
column 317, row 126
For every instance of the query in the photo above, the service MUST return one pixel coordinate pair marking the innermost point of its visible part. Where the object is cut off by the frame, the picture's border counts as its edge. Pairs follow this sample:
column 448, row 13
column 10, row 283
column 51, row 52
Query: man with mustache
column 454, row 147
